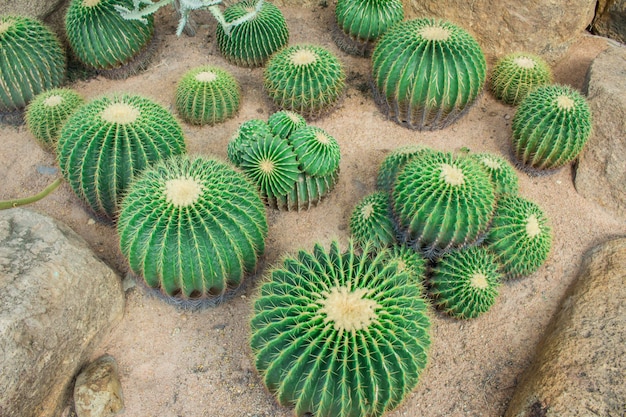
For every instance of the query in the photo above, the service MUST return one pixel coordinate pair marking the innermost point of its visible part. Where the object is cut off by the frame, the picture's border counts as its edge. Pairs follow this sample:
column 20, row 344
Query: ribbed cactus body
column 321, row 357
column 317, row 151
column 283, row 123
column 409, row 262
column 251, row 43
column 516, row 74
column 366, row 20
column 192, row 228
column 31, row 61
column 502, row 173
column 308, row 192
column 427, row 73
column 207, row 95
column 371, row 221
column 550, row 128
column 394, row 162
column 108, row 141
column 101, row 38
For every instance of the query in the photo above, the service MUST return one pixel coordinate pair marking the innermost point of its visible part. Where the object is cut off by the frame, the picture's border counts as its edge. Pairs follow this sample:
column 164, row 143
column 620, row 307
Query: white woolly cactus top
column 452, row 175
column 303, row 57
column 91, row 3
column 348, row 310
column 434, row 33
column 206, row 76
column 120, row 113
column 564, row 102
column 5, row 26
column 183, row 192
column 53, row 101
column 479, row 280
column 524, row 62
column 533, row 228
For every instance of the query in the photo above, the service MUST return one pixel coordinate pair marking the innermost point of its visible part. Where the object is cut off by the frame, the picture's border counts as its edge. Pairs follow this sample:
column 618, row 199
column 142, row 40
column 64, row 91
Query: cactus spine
column 517, row 74
column 371, row 222
column 502, row 173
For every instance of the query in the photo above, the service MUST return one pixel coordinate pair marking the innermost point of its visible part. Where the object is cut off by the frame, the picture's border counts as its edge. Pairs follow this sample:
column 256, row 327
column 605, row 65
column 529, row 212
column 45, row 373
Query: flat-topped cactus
column 192, row 228
column 516, row 74
column 503, row 174
column 394, row 162
column 340, row 334
column 371, row 221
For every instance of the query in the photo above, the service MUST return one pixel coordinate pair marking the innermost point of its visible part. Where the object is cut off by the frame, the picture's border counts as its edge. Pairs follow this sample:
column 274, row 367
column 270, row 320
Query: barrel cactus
column 371, row 221
column 306, row 79
column 207, row 95
column 410, row 262
column 340, row 334
column 32, row 61
column 192, row 228
column 427, row 73
column 283, row 123
column 109, row 140
column 550, row 128
column 516, row 74
column 503, row 174
column 250, row 43
column 394, row 162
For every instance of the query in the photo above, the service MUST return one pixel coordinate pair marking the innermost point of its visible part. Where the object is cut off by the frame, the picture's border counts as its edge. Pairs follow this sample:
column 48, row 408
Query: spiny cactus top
column 192, row 227
column 340, row 334
column 32, row 61
column 427, row 73
column 251, row 43
column 394, row 162
column 550, row 128
column 283, row 123
column 409, row 261
column 503, row 175
column 516, row 74
column 371, row 222
column 109, row 140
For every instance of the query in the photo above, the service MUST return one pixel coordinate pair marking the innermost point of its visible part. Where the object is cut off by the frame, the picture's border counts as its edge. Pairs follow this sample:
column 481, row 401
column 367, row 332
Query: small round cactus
column 427, row 73
column 47, row 112
column 519, row 235
column 108, row 141
column 283, row 123
column 550, row 128
column 32, row 61
column 394, row 162
column 317, row 151
column 192, row 228
column 516, row 74
column 503, row 175
column 253, row 41
column 340, row 334
column 207, row 95
column 410, row 262
column 307, row 79
column 465, row 283
column 371, row 221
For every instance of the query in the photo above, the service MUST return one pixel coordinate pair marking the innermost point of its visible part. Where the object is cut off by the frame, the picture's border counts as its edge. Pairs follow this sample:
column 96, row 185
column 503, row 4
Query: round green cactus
column 519, row 235
column 307, row 79
column 207, row 95
column 251, row 43
column 503, row 175
column 103, row 40
column 249, row 132
column 108, row 141
column 47, row 112
column 410, row 262
column 340, row 334
column 516, row 74
column 284, row 123
column 317, row 151
column 371, row 221
column 550, row 128
column 32, row 61
column 394, row 162
column 427, row 73
column 442, row 201
column 192, row 228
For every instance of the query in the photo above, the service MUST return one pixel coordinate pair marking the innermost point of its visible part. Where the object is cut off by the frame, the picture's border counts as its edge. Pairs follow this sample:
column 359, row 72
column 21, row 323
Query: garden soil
column 176, row 362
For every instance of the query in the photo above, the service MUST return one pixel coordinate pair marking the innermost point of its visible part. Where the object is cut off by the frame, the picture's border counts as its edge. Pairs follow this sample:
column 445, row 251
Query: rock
column 601, row 171
column 580, row 366
column 57, row 301
column 610, row 20
column 546, row 28
column 97, row 391
column 39, row 9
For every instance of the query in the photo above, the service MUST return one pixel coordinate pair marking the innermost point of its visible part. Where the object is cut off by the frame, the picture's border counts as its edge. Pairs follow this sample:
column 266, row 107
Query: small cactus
column 252, row 42
column 192, row 228
column 516, row 74
column 32, row 61
column 317, row 151
column 283, row 123
column 550, row 128
column 207, row 95
column 503, row 175
column 427, row 73
column 371, row 221
column 394, row 162
column 340, row 334
column 108, row 141
column 410, row 262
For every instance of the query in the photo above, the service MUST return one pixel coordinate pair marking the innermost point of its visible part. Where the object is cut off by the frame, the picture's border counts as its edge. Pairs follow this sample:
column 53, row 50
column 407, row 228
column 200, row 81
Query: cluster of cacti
column 371, row 221
column 517, row 74
column 307, row 79
column 427, row 73
column 294, row 164
column 32, row 61
column 207, row 95
column 109, row 140
column 252, row 42
column 340, row 334
column 551, row 126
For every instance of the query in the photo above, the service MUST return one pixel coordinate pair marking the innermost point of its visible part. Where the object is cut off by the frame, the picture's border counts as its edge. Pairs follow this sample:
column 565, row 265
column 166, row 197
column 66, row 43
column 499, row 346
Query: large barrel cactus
column 31, row 61
column 109, row 140
column 427, row 73
column 340, row 334
column 517, row 74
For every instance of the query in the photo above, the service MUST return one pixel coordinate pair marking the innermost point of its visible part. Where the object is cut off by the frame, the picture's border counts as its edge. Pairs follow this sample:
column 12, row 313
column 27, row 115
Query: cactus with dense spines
column 251, row 43
column 519, row 235
column 503, row 174
column 409, row 261
column 371, row 221
column 317, row 151
column 394, row 162
column 283, row 123
column 550, row 128
column 207, row 95
column 427, row 73
column 32, row 61
column 47, row 112
column 465, row 283
column 308, row 192
column 340, row 334
column 307, row 79
column 249, row 132
column 108, row 141
column 192, row 228
column 516, row 74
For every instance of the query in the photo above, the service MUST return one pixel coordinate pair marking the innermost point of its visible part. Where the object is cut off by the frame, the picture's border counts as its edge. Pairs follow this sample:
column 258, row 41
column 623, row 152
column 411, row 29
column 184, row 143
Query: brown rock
column 610, row 20
column 98, row 392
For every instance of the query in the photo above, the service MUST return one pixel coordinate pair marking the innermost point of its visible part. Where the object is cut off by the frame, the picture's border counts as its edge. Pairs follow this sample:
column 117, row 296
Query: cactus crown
column 503, row 175
column 515, row 75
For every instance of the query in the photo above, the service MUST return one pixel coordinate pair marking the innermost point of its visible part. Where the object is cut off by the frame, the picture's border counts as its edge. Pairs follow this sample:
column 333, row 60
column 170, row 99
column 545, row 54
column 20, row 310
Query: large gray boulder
column 610, row 20
column 39, row 9
column 57, row 301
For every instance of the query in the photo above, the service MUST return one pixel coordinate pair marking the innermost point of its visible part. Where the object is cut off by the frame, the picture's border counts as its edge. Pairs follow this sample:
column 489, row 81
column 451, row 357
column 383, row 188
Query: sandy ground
column 183, row 363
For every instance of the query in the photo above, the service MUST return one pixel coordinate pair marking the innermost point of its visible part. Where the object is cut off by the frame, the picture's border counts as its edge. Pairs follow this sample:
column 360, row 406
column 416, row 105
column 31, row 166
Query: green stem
column 7, row 204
